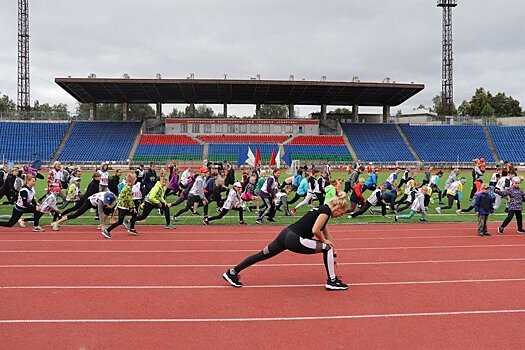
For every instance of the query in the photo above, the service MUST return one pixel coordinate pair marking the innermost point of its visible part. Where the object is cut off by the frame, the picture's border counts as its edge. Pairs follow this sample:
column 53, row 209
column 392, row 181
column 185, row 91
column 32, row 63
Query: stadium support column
column 290, row 111
column 355, row 114
column 158, row 111
column 386, row 114
column 323, row 113
column 125, row 109
column 258, row 110
column 93, row 111
column 225, row 110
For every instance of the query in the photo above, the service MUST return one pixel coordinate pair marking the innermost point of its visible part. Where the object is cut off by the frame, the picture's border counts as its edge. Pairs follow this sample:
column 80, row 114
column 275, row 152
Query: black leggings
column 16, row 215
column 148, row 207
column 510, row 215
column 189, row 204
column 224, row 212
column 451, row 199
column 122, row 213
column 289, row 240
column 296, row 198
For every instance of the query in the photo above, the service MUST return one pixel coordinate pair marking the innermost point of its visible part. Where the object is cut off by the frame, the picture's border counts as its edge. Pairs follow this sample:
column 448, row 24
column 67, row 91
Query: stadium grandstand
column 195, row 139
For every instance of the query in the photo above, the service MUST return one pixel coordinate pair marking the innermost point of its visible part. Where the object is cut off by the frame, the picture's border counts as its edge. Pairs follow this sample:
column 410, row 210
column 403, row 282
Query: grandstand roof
column 102, row 90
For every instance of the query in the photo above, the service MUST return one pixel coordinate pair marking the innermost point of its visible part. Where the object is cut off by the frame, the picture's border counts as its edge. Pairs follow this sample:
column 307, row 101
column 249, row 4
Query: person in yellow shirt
column 454, row 193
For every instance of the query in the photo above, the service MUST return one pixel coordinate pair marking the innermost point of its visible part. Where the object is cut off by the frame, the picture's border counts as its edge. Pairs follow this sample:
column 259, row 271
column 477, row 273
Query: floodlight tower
column 447, row 93
column 23, row 102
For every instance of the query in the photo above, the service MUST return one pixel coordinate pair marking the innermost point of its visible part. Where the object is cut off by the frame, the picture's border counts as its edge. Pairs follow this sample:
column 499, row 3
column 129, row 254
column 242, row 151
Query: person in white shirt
column 233, row 202
column 454, row 193
column 418, row 206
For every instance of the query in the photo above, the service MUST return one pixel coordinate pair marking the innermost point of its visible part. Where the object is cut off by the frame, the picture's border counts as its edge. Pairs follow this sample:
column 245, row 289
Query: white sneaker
column 438, row 209
column 458, row 211
column 54, row 225
column 22, row 223
column 37, row 229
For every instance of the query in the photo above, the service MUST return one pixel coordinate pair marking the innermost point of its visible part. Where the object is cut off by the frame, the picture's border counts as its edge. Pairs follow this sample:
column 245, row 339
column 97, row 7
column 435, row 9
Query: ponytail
column 339, row 201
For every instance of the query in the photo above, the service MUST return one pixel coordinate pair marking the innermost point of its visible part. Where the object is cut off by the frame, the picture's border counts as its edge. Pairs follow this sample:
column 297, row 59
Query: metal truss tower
column 23, row 102
column 447, row 86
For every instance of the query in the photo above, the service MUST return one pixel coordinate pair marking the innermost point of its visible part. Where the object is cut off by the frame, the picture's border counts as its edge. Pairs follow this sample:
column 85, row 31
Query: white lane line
column 257, row 265
column 269, row 319
column 356, row 284
column 253, row 250
column 141, row 240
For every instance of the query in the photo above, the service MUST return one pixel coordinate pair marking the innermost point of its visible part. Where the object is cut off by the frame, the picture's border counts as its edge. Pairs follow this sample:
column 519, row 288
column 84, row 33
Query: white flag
column 278, row 159
column 251, row 157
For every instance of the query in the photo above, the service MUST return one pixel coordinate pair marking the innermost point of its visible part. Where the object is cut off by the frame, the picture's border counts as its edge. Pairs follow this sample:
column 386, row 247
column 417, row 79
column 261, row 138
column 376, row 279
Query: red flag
column 272, row 158
column 257, row 156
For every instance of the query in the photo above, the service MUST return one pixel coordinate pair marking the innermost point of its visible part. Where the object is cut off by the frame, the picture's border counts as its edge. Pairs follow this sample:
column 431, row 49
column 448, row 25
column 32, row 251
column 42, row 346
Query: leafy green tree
column 341, row 111
column 6, row 104
column 273, row 111
column 483, row 102
column 175, row 113
column 439, row 107
column 487, row 111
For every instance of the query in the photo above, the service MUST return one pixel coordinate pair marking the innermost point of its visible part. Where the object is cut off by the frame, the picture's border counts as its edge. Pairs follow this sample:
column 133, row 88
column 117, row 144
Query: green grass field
column 232, row 217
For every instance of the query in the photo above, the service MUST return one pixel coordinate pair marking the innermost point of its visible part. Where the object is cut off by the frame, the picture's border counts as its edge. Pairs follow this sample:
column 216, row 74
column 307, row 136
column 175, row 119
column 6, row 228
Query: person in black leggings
column 25, row 202
column 308, row 235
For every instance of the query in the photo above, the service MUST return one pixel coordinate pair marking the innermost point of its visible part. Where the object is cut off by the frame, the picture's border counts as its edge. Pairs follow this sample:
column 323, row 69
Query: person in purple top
column 268, row 191
column 515, row 204
column 173, row 185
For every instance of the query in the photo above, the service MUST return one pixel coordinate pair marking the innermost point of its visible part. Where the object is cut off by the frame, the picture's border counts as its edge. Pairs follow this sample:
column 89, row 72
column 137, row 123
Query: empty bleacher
column 377, row 142
column 28, row 141
column 96, row 141
column 448, row 143
column 243, row 138
column 318, row 148
column 162, row 148
column 509, row 141
column 230, row 151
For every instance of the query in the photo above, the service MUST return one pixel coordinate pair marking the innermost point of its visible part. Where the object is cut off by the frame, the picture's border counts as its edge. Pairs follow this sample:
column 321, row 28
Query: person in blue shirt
column 484, row 206
column 371, row 182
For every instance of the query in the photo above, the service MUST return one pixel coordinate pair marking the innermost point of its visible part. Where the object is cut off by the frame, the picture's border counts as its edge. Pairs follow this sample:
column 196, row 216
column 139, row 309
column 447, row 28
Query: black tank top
column 303, row 226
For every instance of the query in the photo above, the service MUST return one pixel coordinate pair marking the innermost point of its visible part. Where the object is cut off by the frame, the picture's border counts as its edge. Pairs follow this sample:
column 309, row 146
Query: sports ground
column 412, row 286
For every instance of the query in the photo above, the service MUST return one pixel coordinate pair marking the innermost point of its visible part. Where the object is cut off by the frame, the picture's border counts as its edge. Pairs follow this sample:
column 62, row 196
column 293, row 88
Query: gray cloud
column 373, row 39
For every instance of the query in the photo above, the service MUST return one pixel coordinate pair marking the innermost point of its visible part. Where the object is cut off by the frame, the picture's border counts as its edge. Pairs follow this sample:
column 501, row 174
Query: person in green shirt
column 330, row 191
column 125, row 206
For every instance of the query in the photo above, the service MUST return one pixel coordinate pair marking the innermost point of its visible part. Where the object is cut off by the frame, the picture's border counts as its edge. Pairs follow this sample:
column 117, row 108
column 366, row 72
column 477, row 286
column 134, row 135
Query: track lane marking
column 269, row 319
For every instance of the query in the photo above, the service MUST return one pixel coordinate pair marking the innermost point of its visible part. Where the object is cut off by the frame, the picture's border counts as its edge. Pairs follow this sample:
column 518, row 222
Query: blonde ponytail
column 339, row 201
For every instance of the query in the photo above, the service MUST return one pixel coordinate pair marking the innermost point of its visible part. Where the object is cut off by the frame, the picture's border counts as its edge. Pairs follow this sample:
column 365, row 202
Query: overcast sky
column 373, row 39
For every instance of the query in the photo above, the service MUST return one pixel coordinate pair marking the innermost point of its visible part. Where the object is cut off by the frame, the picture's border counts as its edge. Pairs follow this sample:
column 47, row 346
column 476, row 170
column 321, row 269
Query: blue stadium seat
column 100, row 141
column 377, row 142
column 28, row 141
column 509, row 141
column 448, row 143
column 230, row 151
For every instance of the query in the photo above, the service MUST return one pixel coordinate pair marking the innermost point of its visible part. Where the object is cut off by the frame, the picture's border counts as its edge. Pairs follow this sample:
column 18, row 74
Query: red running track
column 432, row 286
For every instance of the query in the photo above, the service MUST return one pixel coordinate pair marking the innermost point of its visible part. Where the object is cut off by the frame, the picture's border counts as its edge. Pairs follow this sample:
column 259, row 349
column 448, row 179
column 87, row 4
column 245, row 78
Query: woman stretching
column 308, row 235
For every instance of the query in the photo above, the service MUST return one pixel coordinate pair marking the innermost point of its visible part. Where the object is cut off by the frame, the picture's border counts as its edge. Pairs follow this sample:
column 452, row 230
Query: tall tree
column 273, row 111
column 6, row 104
column 439, row 107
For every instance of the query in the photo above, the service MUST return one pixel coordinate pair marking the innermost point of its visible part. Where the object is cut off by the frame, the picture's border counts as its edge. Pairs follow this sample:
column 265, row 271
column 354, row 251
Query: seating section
column 317, row 140
column 318, row 148
column 243, row 138
column 448, row 143
column 377, row 142
column 162, row 148
column 26, row 142
column 509, row 141
column 230, row 151
column 161, row 139
column 100, row 141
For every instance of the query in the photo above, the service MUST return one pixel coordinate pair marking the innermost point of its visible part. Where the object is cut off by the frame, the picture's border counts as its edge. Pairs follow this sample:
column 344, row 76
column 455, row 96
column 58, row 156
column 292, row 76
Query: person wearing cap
column 49, row 204
column 196, row 195
column 454, row 193
column 484, row 206
column 232, row 202
column 103, row 202
column 516, row 197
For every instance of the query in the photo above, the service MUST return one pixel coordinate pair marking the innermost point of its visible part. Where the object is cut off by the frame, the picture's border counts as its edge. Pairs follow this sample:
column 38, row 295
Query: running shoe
column 37, row 229
column 106, row 233
column 55, row 227
column 169, row 227
column 22, row 223
column 232, row 279
column 133, row 232
column 500, row 230
column 336, row 284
